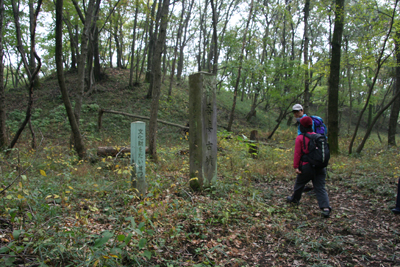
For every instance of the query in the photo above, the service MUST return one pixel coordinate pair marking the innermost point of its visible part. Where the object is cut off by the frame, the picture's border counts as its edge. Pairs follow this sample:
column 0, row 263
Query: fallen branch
column 101, row 111
column 113, row 151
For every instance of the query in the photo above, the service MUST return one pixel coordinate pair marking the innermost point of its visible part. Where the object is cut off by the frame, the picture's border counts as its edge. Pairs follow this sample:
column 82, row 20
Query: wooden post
column 138, row 157
column 203, row 130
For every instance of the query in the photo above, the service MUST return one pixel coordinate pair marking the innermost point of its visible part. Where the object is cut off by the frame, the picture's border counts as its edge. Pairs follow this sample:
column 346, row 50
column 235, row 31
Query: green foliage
column 70, row 212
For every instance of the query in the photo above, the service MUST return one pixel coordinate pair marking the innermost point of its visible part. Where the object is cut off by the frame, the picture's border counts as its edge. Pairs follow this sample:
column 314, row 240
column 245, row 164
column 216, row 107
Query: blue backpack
column 319, row 126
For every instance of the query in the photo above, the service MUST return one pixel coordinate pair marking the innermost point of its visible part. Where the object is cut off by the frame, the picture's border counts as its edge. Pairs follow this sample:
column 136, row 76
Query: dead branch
column 101, row 111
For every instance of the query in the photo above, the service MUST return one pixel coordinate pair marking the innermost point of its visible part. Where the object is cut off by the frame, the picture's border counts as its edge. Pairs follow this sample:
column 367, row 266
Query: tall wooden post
column 138, row 156
column 203, row 130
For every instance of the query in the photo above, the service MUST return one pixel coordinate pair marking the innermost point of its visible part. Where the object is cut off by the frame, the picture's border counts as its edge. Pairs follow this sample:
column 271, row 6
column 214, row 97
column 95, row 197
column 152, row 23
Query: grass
column 65, row 212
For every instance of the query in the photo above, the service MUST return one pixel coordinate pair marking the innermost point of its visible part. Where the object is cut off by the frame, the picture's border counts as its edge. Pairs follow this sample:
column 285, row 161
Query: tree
column 397, row 94
column 230, row 122
column 334, row 77
column 133, row 46
column 87, row 22
column 306, row 71
column 3, row 133
column 32, row 76
column 394, row 113
column 380, row 61
column 78, row 141
column 158, row 50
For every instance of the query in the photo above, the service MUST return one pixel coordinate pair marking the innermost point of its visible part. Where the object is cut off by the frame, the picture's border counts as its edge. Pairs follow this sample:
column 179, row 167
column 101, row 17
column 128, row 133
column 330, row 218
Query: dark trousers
column 317, row 176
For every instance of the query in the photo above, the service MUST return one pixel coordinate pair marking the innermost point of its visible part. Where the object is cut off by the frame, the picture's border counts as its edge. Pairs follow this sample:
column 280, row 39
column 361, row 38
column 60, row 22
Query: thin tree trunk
column 214, row 40
column 164, row 64
column 334, row 78
column 3, row 132
column 96, row 56
column 380, row 62
column 239, row 69
column 182, row 43
column 379, row 113
column 349, row 84
column 394, row 113
column 150, row 71
column 306, row 71
column 20, row 46
column 73, row 44
column 30, row 104
column 178, row 38
column 157, row 80
column 133, row 44
column 152, row 36
column 110, row 47
column 87, row 22
column 78, row 141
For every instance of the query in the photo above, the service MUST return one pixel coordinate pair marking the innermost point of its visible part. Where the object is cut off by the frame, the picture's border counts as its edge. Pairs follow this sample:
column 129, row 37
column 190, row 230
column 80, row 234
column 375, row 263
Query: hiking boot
column 396, row 211
column 290, row 199
column 326, row 212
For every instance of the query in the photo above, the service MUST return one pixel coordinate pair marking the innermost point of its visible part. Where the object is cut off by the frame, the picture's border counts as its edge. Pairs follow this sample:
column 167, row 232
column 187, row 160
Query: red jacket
column 300, row 151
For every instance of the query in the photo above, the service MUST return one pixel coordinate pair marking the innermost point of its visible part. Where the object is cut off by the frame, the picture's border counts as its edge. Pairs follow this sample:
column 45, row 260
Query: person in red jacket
column 305, row 172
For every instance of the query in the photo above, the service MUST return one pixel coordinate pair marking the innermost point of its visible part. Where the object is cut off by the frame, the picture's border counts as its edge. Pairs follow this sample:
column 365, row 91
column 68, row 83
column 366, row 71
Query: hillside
column 61, row 211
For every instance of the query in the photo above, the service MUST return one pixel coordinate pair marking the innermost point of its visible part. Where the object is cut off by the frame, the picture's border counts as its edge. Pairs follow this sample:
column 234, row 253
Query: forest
column 74, row 75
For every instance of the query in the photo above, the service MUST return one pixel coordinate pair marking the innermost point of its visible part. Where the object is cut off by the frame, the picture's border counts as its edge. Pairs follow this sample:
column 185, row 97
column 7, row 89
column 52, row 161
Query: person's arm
column 297, row 152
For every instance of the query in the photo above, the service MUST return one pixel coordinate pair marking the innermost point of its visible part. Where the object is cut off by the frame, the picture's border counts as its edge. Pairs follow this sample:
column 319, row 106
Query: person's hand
column 298, row 171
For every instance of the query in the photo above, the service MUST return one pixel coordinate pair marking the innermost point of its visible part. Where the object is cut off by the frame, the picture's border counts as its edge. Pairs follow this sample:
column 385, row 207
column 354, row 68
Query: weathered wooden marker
column 203, row 130
column 138, row 156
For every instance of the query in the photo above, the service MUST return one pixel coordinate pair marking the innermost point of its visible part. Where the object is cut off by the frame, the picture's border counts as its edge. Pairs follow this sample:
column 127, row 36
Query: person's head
column 297, row 111
column 306, row 124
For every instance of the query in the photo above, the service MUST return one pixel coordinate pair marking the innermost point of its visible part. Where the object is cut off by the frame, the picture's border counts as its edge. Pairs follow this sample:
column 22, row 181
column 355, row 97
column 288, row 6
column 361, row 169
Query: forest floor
column 62, row 211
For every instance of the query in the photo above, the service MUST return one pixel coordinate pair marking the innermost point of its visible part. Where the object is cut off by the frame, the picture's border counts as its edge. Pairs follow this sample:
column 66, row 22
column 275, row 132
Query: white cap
column 297, row 107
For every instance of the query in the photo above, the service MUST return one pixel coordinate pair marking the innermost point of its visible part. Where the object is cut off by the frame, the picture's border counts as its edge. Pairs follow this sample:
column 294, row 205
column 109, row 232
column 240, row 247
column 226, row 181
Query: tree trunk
column 178, row 38
column 118, row 46
column 20, row 46
column 3, row 132
column 153, row 39
column 239, row 69
column 349, row 84
column 214, row 40
column 78, row 141
column 182, row 42
column 380, row 62
column 32, row 76
column 87, row 22
column 306, row 71
column 96, row 56
column 334, row 78
column 110, row 48
column 281, row 116
column 73, row 44
column 394, row 113
column 133, row 46
column 379, row 113
column 30, row 104
column 157, row 79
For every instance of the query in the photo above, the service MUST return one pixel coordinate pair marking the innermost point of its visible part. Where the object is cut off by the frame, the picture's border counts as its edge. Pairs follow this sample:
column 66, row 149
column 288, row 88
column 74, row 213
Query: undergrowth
column 62, row 211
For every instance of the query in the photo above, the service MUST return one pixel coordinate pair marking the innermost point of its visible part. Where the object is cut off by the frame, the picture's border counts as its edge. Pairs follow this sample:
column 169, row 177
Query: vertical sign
column 138, row 156
column 203, row 130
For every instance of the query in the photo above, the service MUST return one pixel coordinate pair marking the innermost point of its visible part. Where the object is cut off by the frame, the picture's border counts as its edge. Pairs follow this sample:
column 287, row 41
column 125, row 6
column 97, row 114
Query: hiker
column 396, row 210
column 318, row 125
column 306, row 172
column 298, row 113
